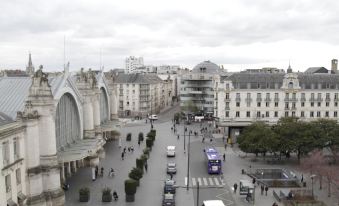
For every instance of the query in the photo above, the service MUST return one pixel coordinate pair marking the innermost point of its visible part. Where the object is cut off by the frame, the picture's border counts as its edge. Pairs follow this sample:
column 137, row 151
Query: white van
column 213, row 203
column 170, row 151
column 153, row 117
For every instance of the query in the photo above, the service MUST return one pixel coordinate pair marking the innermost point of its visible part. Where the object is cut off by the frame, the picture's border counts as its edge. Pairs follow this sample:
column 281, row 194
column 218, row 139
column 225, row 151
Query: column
column 62, row 172
column 96, row 111
column 68, row 166
column 114, row 106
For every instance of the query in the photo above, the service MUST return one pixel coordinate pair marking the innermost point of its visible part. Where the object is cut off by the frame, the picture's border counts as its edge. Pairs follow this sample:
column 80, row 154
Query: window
column 319, row 96
column 258, row 104
column 312, row 95
column 227, row 86
column 319, row 104
column 248, row 95
column 259, row 96
column 276, row 104
column 237, row 104
column 16, row 148
column 326, row 114
column 302, row 95
column 267, row 114
column 302, row 104
column 311, row 114
column 18, row 176
column 248, row 104
column 287, row 96
column 302, row 114
column 267, row 104
column 335, row 114
column 290, row 85
column 227, row 105
column 336, row 104
column 8, row 183
column 248, row 114
column 267, row 96
column 294, row 96
column 293, row 114
column 327, row 104
column 335, row 95
column 286, row 105
column 227, row 95
column 133, row 91
column 275, row 114
column 133, row 85
column 293, row 105
column 227, row 114
column 127, row 103
column 237, row 95
column 276, row 95
column 318, row 114
column 5, row 153
column 286, row 114
column 237, row 114
column 258, row 114
column 327, row 95
column 312, row 104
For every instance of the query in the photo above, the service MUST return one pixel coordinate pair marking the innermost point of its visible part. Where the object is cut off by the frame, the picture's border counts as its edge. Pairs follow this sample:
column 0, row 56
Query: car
column 168, row 199
column 170, row 151
column 153, row 117
column 169, row 186
column 213, row 203
column 171, row 168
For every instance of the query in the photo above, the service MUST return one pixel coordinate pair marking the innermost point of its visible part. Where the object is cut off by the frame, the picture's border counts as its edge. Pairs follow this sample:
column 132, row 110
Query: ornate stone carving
column 28, row 112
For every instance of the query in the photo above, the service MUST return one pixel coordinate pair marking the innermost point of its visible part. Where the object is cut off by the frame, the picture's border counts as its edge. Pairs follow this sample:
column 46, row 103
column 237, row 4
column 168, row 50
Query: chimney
column 334, row 66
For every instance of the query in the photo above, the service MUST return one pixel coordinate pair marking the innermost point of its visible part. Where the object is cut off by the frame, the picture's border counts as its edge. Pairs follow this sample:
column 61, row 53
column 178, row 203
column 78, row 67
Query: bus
column 213, row 160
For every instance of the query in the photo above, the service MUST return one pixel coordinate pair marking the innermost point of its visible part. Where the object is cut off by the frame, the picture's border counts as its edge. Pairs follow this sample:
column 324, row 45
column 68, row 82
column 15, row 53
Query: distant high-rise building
column 132, row 63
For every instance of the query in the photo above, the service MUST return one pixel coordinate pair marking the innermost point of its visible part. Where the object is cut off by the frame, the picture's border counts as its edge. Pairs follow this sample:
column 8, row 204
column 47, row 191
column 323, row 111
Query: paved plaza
column 151, row 185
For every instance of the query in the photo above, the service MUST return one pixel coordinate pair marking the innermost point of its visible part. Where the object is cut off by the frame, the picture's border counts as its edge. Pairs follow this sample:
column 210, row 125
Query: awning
column 110, row 126
column 10, row 202
column 21, row 197
column 80, row 150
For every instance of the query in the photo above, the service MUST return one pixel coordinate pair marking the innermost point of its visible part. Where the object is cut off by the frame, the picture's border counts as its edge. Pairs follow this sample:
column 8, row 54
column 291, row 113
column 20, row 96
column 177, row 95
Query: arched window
column 290, row 85
column 103, row 106
column 67, row 122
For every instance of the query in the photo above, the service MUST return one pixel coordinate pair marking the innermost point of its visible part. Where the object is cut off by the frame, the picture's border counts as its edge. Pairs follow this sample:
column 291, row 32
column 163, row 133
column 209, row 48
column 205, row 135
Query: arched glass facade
column 103, row 106
column 67, row 122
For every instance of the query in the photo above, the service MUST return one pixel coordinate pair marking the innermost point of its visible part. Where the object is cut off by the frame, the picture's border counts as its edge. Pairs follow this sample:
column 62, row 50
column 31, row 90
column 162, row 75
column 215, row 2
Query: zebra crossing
column 205, row 182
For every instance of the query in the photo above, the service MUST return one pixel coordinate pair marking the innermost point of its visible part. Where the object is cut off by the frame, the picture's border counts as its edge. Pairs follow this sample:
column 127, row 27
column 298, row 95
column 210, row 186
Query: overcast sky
column 238, row 34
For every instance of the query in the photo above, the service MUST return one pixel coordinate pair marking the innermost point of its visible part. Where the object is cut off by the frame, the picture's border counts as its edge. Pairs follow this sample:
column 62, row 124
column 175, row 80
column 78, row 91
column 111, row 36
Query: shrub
column 129, row 137
column 141, row 137
column 84, row 191
column 84, row 194
column 107, row 195
column 130, row 186
column 139, row 163
column 149, row 143
column 136, row 173
column 144, row 158
column 146, row 151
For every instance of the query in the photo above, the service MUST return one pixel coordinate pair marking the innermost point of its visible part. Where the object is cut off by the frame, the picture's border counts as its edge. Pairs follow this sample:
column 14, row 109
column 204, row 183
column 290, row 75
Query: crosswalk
column 205, row 182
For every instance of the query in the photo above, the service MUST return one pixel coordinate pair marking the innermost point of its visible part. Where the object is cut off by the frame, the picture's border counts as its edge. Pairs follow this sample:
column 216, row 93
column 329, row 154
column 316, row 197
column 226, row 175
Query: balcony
column 248, row 99
column 195, row 92
column 268, row 99
column 290, row 99
column 336, row 99
column 276, row 99
column 303, row 99
column 312, row 99
column 259, row 99
column 327, row 99
column 227, row 99
column 293, row 108
column 237, row 99
column 227, row 108
column 287, row 108
column 319, row 99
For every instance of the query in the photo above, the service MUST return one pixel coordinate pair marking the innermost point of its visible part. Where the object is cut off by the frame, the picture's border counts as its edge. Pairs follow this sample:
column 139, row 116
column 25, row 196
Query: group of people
column 130, row 149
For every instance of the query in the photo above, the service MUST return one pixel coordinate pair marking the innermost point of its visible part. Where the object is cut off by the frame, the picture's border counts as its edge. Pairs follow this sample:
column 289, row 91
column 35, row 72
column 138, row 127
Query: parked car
column 169, row 186
column 153, row 117
column 171, row 168
column 168, row 199
column 170, row 151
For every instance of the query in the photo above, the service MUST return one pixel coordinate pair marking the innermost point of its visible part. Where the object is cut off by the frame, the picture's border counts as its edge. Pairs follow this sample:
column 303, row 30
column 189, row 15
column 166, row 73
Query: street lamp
column 188, row 159
column 312, row 177
column 151, row 119
column 185, row 130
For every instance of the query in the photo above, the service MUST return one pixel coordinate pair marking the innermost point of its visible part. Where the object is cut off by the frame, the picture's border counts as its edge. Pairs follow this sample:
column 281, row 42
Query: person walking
column 102, row 172
column 96, row 171
column 266, row 189
column 224, row 157
column 146, row 166
column 129, row 149
column 235, row 186
column 139, row 143
column 124, row 149
column 262, row 188
column 203, row 140
column 122, row 155
column 253, row 181
column 302, row 178
column 225, row 146
column 171, row 176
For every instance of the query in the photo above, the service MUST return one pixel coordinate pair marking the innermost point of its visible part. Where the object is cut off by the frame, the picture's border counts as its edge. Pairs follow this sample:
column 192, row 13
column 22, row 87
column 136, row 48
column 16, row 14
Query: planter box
column 83, row 198
column 129, row 198
column 107, row 198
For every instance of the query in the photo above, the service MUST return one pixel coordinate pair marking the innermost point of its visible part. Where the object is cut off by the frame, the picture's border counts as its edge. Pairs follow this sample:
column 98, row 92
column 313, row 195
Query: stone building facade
column 51, row 125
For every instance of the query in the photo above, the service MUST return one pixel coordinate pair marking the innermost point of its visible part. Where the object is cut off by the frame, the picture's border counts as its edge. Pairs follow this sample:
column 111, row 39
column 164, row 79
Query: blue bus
column 213, row 160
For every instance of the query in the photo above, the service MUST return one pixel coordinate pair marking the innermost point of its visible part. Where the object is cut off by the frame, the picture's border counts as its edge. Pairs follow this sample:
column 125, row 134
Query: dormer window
column 290, row 85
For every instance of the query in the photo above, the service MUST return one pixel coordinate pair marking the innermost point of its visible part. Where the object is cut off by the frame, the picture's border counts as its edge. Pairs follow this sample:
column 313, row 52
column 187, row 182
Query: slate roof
column 256, row 77
column 318, row 78
column 138, row 78
column 4, row 119
column 316, row 70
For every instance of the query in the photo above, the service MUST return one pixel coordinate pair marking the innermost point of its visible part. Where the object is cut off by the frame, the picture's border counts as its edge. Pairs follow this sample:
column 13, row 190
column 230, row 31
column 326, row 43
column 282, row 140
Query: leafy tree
column 189, row 106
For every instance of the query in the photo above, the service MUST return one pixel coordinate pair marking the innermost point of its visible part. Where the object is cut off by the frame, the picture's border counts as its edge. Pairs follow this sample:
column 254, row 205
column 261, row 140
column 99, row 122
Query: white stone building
column 132, row 63
column 50, row 125
column 142, row 94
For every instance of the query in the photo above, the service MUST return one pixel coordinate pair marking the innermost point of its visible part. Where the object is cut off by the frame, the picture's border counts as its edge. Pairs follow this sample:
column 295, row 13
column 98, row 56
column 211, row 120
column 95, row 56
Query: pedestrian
column 235, row 186
column 132, row 149
column 146, row 121
column 93, row 173
column 302, row 178
column 203, row 139
column 224, row 157
column 178, row 136
column 275, row 204
column 129, row 149
column 171, row 175
column 175, row 130
column 266, row 189
column 172, row 128
column 253, row 181
column 211, row 140
column 262, row 188
column 139, row 143
column 122, row 155
column 96, row 171
column 146, row 166
column 225, row 146
column 124, row 149
column 119, row 142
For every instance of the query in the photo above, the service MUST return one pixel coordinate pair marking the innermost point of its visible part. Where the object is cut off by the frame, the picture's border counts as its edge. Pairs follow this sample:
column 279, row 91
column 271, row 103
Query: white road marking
column 199, row 180
column 193, row 181
column 205, row 181
column 210, row 181
column 186, row 181
column 216, row 181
